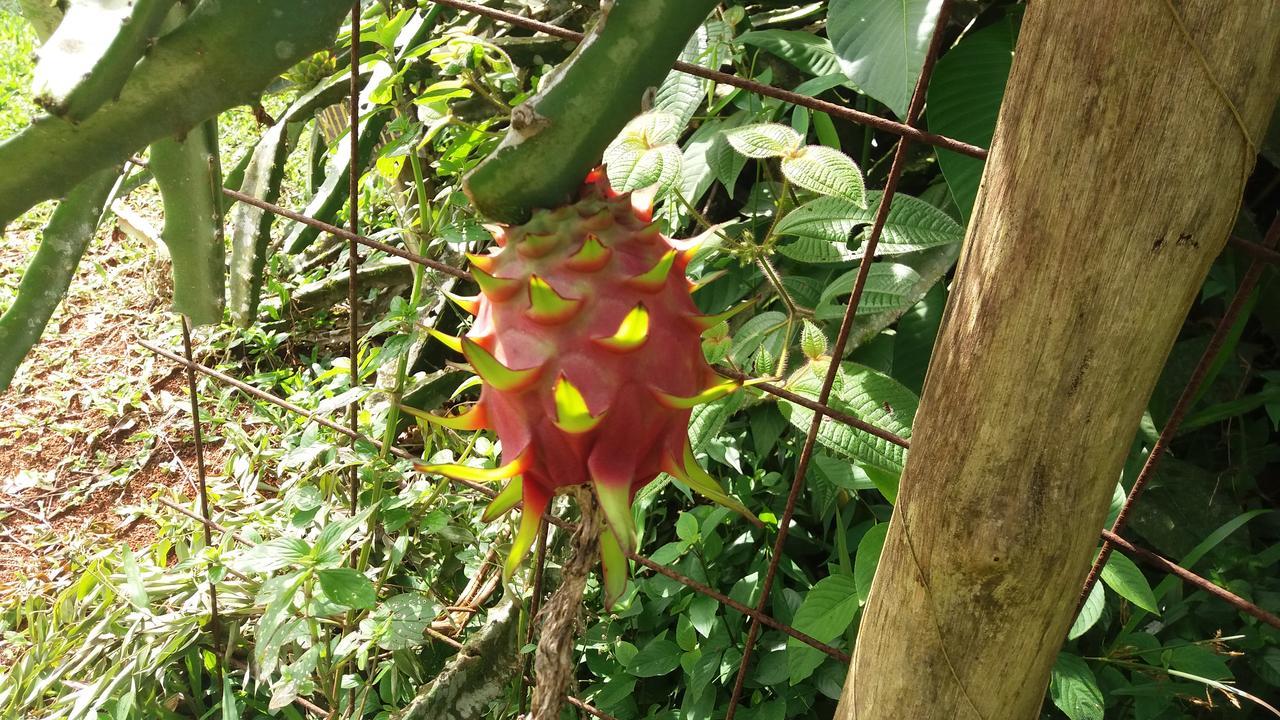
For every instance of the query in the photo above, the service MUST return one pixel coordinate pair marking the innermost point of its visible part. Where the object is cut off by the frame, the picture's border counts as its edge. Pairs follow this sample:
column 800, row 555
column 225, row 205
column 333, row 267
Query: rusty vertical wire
column 1185, row 400
column 539, row 570
column 201, row 485
column 842, row 338
column 353, row 248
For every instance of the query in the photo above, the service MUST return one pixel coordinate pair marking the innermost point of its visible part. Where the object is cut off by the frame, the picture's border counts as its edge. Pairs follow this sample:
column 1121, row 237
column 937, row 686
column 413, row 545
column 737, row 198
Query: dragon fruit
column 586, row 340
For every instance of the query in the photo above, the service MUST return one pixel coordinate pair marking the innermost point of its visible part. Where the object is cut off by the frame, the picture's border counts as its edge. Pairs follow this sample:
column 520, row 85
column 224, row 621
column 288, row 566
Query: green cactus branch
column 190, row 180
column 558, row 135
column 88, row 58
column 51, row 269
column 223, row 55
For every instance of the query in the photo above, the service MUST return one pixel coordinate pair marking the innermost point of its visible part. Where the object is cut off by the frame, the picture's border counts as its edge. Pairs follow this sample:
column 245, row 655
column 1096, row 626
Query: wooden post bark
column 1126, row 135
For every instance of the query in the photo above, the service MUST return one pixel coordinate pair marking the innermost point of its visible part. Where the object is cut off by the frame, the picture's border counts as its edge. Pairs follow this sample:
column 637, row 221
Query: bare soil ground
column 93, row 424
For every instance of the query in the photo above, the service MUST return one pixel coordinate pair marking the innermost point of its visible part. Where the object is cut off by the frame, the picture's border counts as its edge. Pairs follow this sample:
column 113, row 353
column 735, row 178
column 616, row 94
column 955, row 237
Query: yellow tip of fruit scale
column 654, row 278
column 592, row 256
column 572, row 414
column 706, row 322
column 507, row 499
column 494, row 373
column 469, row 304
column 495, row 288
column 688, row 471
column 449, row 341
column 547, row 306
column 536, row 245
column 711, row 394
column 475, row 474
column 632, row 331
column 473, row 419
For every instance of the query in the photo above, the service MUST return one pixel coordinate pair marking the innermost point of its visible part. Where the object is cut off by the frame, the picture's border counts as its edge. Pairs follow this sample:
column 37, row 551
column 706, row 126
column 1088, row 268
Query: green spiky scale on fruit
column 589, row 373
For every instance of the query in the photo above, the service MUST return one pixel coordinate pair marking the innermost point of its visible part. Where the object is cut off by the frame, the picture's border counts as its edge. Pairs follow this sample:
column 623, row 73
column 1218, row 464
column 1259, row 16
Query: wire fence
column 908, row 132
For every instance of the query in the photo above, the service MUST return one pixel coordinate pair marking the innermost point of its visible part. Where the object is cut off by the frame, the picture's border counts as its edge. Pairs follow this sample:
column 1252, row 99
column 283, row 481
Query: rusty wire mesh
column 1263, row 253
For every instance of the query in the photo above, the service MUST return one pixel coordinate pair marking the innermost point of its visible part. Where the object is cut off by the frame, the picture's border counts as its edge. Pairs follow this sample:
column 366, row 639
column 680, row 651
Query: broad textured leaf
column 1121, row 575
column 681, row 93
column 400, row 621
column 889, row 287
column 753, row 332
column 868, row 557
column 825, row 613
column 826, row 171
column 1074, row 689
column 912, row 224
column 644, row 153
column 1089, row 612
column 764, row 140
column 868, row 395
column 815, row 252
column 724, row 161
column 916, row 333
column 881, row 45
column 964, row 99
column 808, row 52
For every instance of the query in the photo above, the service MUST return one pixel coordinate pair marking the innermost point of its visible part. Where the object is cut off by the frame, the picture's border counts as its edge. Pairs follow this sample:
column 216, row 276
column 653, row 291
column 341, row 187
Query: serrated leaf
column 725, row 162
column 881, row 46
column 1074, row 689
column 889, row 287
column 752, row 333
column 681, row 93
column 1121, row 575
column 1089, row 612
column 815, row 252
column 764, row 140
column 868, row 558
column 826, row 171
column 868, row 395
column 912, row 225
column 825, row 613
column 400, row 621
column 644, row 153
column 964, row 99
column 810, row 53
column 813, row 342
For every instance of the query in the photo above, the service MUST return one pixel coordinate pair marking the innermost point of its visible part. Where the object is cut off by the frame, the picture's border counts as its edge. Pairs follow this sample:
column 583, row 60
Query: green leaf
column 275, row 554
column 658, row 657
column 813, row 342
column 764, row 140
column 681, row 93
column 1089, row 612
column 1199, row 661
column 868, row 558
column 881, row 45
column 347, row 588
column 702, row 613
column 912, row 224
column 889, row 287
column 808, row 52
column 825, row 613
column 866, row 394
column 964, row 99
column 825, row 171
column 753, row 333
column 1121, row 575
column 1074, row 689
column 400, row 621
column 645, row 153
column 916, row 333
column 816, row 252
column 135, row 590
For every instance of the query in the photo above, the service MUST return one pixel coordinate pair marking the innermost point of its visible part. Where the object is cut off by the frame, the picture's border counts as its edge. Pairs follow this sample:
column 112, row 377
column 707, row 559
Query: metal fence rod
column 346, row 234
column 202, row 487
column 1257, row 250
column 1173, row 568
column 1189, row 394
column 844, row 113
column 353, row 249
column 837, row 353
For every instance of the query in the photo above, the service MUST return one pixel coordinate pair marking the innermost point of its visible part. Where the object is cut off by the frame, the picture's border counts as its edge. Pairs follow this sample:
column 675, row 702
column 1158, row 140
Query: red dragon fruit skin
column 587, row 343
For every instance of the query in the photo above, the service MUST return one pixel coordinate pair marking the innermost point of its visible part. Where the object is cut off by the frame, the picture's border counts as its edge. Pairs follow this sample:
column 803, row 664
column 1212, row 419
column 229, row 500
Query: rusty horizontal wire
column 729, row 602
column 830, row 108
column 346, row 234
column 1177, row 570
column 817, row 407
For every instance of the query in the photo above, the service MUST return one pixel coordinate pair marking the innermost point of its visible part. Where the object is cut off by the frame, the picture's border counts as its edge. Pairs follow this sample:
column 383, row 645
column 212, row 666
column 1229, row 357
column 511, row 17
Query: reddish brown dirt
column 93, row 424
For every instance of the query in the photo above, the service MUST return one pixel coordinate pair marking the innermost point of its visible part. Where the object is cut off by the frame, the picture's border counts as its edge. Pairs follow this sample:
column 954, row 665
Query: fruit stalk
column 559, row 134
